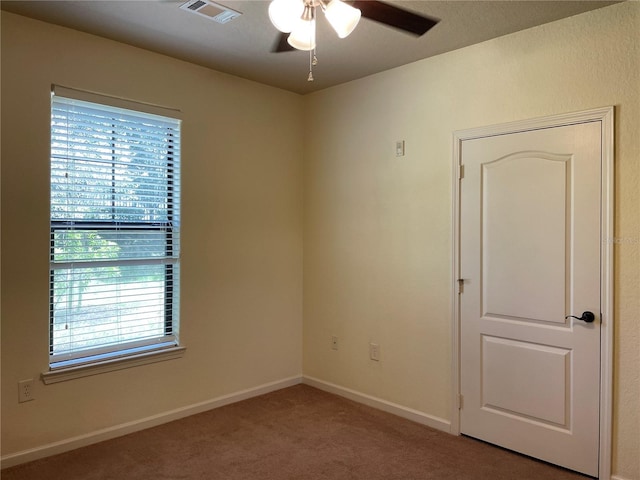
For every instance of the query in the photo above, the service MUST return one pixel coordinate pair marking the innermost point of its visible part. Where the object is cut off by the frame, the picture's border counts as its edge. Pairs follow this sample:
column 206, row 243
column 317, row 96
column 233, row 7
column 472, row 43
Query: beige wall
column 377, row 229
column 241, row 233
column 377, row 244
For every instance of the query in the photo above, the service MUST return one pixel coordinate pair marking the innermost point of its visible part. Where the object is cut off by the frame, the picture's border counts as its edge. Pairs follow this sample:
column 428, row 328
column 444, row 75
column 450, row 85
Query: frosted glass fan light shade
column 284, row 14
column 303, row 36
column 342, row 17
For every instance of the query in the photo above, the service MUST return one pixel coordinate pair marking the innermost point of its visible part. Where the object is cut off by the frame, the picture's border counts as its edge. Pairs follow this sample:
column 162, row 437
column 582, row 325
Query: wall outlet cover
column 25, row 390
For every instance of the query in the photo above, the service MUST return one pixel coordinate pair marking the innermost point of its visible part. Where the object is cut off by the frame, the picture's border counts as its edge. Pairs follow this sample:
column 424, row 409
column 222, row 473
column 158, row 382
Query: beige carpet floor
column 295, row 433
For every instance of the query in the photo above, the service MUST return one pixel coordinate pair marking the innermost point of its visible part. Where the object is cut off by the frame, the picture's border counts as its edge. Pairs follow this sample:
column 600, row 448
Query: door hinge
column 460, row 285
column 461, row 172
column 460, row 400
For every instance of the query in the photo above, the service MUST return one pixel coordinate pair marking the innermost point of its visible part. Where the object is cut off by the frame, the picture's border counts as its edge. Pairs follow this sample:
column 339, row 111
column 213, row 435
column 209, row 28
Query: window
column 115, row 228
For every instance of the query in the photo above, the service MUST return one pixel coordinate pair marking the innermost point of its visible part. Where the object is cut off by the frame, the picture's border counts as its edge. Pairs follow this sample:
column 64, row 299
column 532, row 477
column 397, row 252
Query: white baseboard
column 399, row 410
column 137, row 425
column 617, row 477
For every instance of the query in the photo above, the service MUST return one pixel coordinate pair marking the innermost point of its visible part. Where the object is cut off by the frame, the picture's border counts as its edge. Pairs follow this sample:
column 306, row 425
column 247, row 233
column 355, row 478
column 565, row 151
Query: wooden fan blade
column 281, row 44
column 396, row 17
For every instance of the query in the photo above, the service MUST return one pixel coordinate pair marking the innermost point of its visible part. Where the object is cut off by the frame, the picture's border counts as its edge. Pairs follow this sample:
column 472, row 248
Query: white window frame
column 128, row 353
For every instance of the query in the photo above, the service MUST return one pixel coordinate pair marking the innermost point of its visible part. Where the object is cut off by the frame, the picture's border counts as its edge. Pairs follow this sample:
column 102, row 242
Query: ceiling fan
column 296, row 20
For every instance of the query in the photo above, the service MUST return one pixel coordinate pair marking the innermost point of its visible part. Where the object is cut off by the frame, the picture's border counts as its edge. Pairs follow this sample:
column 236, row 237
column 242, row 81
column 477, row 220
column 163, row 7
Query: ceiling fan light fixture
column 284, row 14
column 303, row 36
column 342, row 17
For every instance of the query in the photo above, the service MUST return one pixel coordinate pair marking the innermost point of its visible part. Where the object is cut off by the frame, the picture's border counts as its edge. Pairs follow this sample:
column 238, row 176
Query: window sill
column 95, row 368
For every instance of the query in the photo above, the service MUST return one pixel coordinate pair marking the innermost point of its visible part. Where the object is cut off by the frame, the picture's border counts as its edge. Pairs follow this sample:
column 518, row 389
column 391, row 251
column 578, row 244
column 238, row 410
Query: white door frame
column 605, row 116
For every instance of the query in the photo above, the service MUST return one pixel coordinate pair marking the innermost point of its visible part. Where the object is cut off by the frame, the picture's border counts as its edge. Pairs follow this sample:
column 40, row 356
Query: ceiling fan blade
column 281, row 44
column 392, row 16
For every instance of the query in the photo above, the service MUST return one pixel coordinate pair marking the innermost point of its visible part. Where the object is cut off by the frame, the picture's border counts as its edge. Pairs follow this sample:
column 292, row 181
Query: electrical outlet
column 374, row 351
column 25, row 390
column 334, row 342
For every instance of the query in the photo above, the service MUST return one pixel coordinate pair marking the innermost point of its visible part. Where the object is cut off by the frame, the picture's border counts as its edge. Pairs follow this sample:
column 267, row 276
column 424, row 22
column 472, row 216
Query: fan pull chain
column 311, row 56
column 313, row 60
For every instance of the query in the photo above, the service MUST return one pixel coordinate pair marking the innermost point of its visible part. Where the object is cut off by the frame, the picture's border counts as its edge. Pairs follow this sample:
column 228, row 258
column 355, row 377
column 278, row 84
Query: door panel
column 526, row 380
column 516, row 284
column 530, row 256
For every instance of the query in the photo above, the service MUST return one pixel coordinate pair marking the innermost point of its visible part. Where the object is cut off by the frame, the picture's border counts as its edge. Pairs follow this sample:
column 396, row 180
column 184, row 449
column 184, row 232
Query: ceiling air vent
column 211, row 10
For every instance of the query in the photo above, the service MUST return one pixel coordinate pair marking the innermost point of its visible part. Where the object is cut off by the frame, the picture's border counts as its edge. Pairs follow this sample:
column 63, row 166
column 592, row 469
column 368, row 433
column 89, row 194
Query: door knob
column 587, row 317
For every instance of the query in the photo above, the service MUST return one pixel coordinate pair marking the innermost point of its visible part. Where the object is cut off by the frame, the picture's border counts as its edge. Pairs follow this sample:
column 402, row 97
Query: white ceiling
column 243, row 46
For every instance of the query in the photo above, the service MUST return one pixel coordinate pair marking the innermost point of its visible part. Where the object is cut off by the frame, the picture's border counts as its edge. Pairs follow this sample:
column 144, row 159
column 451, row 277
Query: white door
column 530, row 210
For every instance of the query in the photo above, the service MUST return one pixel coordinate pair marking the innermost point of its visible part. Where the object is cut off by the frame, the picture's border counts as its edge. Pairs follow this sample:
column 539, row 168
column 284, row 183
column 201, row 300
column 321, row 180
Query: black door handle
column 587, row 317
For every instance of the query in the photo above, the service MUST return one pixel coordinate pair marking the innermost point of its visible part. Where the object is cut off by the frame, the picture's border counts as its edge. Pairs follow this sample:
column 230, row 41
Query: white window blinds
column 115, row 228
